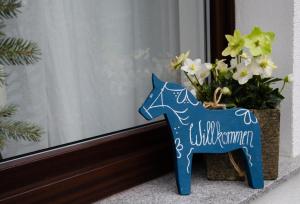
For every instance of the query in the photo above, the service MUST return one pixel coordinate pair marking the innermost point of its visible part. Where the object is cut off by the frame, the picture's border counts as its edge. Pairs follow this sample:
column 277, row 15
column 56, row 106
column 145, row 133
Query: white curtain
column 95, row 69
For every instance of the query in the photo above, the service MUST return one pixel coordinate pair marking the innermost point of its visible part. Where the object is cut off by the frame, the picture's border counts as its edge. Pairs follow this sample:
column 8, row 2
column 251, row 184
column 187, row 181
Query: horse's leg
column 183, row 172
column 254, row 167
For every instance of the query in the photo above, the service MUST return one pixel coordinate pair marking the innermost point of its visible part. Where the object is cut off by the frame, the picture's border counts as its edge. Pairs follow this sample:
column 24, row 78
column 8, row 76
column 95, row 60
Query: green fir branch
column 17, row 51
column 20, row 130
column 9, row 8
column 2, row 143
column 3, row 75
column 7, row 111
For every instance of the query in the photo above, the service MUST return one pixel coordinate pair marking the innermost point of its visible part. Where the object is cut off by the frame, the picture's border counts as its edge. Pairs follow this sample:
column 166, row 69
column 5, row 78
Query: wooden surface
column 89, row 171
column 222, row 21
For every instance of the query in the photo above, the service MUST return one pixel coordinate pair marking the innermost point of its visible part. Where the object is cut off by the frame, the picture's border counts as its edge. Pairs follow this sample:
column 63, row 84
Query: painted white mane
column 182, row 95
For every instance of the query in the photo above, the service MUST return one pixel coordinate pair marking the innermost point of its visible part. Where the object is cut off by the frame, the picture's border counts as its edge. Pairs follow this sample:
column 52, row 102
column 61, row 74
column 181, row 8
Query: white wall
column 277, row 16
column 296, row 86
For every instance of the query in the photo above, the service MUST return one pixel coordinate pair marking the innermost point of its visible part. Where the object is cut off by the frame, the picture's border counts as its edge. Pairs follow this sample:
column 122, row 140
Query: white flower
column 203, row 72
column 254, row 68
column 190, row 66
column 246, row 61
column 207, row 66
column 233, row 62
column 289, row 78
column 243, row 74
column 266, row 66
column 222, row 66
column 245, row 55
column 246, row 58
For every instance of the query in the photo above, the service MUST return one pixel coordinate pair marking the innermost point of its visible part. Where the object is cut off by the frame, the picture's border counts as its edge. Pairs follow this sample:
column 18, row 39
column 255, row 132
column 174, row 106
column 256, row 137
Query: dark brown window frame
column 93, row 169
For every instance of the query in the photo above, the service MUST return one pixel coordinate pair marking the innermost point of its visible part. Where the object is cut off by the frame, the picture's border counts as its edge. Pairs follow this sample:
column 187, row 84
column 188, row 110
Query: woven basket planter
column 219, row 166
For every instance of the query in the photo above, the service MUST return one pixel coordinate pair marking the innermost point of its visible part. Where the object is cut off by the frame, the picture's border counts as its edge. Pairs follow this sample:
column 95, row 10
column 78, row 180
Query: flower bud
column 226, row 91
column 289, row 78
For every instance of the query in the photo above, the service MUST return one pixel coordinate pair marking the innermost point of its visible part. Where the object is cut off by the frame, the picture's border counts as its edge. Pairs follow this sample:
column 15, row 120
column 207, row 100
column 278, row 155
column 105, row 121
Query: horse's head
column 168, row 98
column 150, row 108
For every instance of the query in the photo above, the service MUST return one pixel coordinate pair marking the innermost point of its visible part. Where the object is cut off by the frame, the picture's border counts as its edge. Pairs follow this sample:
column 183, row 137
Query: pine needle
column 17, row 51
column 3, row 75
column 7, row 111
column 9, row 8
column 20, row 130
column 2, row 143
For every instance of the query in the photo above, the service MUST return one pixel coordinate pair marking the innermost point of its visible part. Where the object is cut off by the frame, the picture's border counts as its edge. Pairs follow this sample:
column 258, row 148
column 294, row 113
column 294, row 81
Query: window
column 99, row 166
column 96, row 64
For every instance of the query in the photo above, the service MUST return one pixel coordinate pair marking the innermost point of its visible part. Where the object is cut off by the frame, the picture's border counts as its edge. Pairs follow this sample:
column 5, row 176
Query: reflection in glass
column 97, row 60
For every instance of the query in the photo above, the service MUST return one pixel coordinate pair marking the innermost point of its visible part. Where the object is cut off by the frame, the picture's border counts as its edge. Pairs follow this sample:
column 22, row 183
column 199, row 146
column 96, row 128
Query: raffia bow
column 216, row 101
column 215, row 104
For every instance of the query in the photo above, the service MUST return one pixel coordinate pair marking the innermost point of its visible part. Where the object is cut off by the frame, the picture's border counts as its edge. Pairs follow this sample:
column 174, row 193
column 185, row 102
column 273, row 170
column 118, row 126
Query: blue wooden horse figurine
column 199, row 130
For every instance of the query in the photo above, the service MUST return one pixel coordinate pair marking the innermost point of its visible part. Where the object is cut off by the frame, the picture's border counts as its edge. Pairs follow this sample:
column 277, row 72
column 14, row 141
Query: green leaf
column 263, row 80
column 272, row 80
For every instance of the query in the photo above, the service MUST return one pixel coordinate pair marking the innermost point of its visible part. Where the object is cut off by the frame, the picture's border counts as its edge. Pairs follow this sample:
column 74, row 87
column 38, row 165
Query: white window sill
column 163, row 190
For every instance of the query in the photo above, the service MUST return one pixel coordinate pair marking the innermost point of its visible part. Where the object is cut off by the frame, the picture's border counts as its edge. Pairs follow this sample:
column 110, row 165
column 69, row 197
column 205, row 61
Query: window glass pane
column 96, row 65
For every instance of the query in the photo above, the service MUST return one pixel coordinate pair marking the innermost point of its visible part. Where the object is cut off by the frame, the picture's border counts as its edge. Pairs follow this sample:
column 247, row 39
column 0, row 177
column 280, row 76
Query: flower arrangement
column 246, row 81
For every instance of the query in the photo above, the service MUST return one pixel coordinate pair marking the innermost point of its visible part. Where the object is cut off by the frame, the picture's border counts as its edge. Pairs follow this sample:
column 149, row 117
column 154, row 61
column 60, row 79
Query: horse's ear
column 156, row 81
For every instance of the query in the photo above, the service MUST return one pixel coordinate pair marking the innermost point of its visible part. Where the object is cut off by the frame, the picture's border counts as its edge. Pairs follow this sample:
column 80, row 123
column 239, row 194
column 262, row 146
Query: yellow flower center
column 244, row 73
column 193, row 67
column 263, row 64
column 256, row 43
column 235, row 46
